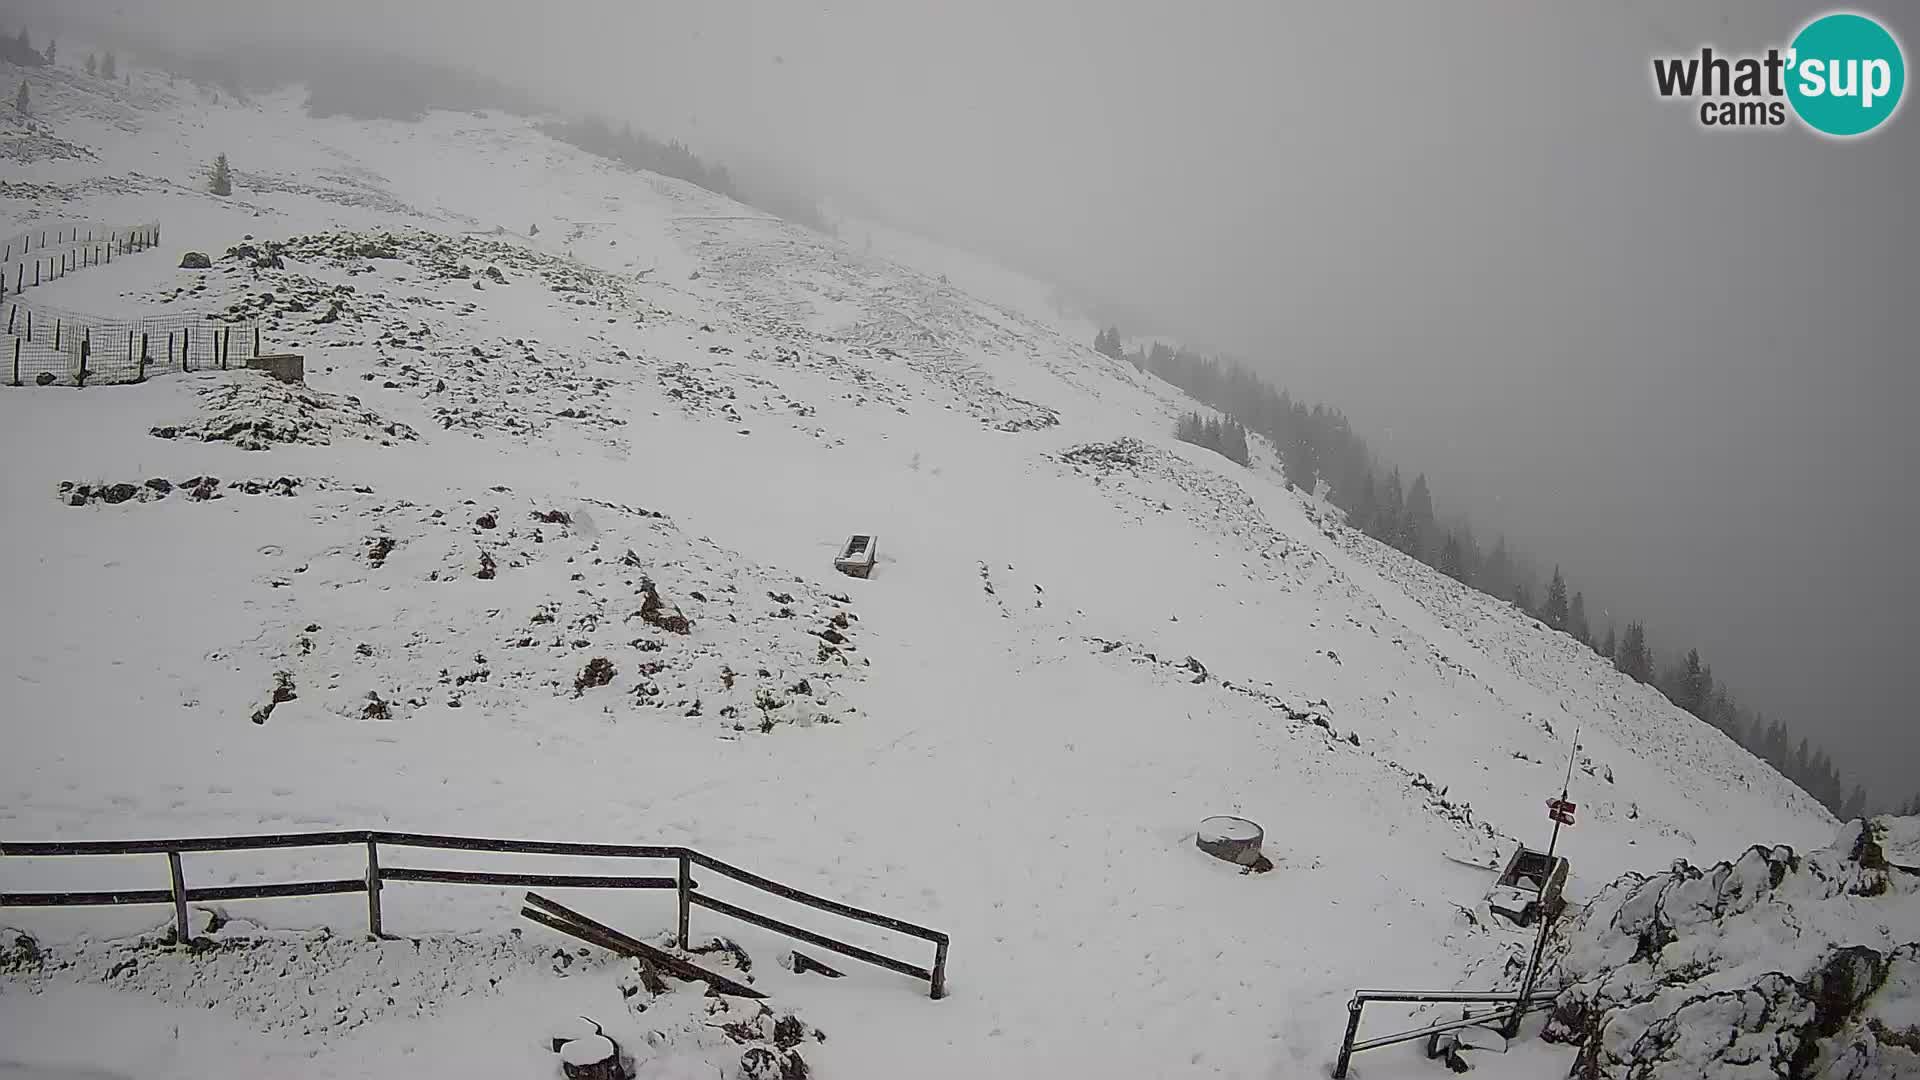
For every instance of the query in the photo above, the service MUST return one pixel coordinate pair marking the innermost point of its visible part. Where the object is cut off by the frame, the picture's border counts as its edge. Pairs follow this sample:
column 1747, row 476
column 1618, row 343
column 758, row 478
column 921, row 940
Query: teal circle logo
column 1845, row 74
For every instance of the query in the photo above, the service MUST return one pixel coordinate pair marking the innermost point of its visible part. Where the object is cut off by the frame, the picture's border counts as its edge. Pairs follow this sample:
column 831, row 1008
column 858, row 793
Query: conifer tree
column 220, row 178
column 1556, row 609
column 20, row 101
column 109, row 68
column 1696, row 686
column 1855, row 804
column 52, row 47
column 1635, row 660
column 1577, row 619
column 1419, row 526
column 1451, row 562
column 1610, row 645
column 93, row 64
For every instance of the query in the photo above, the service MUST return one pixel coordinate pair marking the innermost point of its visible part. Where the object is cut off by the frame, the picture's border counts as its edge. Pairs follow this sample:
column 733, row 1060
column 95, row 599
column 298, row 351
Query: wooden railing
column 180, row 895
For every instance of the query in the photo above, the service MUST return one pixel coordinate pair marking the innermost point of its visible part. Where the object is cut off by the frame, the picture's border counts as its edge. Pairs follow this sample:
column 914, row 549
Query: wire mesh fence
column 45, row 345
column 42, row 255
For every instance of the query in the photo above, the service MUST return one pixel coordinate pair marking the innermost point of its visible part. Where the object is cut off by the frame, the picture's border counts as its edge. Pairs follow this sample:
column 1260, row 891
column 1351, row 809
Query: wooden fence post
column 186, row 342
column 686, row 894
column 56, row 334
column 16, row 361
column 226, row 347
column 169, row 348
column 181, row 935
column 129, row 348
column 86, row 351
column 143, row 356
column 256, row 339
column 373, row 888
column 939, row 970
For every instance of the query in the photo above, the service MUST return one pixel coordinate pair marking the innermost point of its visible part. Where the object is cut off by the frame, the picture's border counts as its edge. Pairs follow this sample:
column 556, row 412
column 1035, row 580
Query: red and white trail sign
column 1561, row 811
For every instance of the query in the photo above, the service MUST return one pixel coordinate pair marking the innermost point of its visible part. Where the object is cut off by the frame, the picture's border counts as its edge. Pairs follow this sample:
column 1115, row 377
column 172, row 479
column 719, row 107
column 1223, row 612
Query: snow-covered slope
column 1082, row 636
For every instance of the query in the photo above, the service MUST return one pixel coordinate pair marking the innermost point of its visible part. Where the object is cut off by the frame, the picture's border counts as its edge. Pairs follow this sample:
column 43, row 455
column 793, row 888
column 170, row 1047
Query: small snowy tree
column 20, row 99
column 52, row 47
column 93, row 64
column 219, row 178
column 108, row 67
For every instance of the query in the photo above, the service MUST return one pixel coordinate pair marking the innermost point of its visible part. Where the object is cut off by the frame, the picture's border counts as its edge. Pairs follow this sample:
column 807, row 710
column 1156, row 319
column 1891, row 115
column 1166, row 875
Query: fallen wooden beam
column 568, row 921
column 802, row 963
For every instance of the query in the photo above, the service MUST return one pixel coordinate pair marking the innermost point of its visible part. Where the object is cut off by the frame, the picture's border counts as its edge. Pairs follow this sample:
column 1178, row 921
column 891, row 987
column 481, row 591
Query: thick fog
column 1681, row 363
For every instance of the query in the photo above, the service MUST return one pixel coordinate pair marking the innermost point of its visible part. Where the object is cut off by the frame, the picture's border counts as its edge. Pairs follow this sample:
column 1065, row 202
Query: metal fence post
column 373, row 888
column 686, row 895
column 1346, row 1044
column 180, row 933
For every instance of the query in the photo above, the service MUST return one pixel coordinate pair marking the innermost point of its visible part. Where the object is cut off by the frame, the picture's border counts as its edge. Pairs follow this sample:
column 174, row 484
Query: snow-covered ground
column 1081, row 638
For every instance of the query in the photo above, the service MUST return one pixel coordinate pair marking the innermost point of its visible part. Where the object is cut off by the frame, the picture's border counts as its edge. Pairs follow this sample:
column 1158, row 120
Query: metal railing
column 1516, row 1004
column 179, row 894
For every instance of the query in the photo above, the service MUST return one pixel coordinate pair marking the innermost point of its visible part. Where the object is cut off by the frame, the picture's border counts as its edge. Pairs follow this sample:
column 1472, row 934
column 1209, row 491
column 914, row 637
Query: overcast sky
column 1681, row 363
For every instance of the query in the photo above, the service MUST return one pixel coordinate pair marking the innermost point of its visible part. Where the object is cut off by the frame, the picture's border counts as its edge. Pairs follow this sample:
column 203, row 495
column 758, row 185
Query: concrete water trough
column 856, row 557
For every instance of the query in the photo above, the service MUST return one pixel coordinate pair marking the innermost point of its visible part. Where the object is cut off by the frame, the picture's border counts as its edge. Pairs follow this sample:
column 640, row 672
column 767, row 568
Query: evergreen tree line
column 18, row 49
column 1321, row 453
column 1225, row 437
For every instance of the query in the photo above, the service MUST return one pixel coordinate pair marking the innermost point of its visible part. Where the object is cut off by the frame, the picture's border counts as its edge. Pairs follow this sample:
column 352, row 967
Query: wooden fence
column 685, row 859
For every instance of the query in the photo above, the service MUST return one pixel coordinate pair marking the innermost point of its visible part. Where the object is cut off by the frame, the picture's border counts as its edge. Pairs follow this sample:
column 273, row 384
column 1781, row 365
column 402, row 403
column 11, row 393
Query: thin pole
column 1346, row 1044
column 1512, row 1026
column 1565, row 786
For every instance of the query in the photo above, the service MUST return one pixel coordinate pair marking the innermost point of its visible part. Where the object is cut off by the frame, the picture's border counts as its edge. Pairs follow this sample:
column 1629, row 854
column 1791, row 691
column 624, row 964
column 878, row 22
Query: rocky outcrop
column 1773, row 965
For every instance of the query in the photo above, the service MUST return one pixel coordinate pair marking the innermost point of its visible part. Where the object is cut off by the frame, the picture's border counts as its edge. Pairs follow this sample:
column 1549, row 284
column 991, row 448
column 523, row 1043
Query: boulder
column 195, row 260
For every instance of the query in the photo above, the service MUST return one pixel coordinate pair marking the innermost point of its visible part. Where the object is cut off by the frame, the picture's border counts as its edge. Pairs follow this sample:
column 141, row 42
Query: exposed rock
column 1775, row 964
column 195, row 260
column 598, row 672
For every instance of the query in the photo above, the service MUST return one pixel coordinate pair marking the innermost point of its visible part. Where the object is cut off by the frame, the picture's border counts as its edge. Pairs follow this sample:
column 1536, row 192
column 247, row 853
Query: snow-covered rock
column 1776, row 964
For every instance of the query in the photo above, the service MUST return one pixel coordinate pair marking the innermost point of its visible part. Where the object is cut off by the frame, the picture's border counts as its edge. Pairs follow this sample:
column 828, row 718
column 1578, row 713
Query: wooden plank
column 290, row 888
column 185, row 844
column 820, row 902
column 181, row 933
column 812, row 938
column 531, row 847
column 86, row 899
column 553, row 881
column 373, row 889
column 665, row 961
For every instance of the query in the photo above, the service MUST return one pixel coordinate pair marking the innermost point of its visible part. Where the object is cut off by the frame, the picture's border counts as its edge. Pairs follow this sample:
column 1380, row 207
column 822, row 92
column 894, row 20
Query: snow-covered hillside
column 1081, row 637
